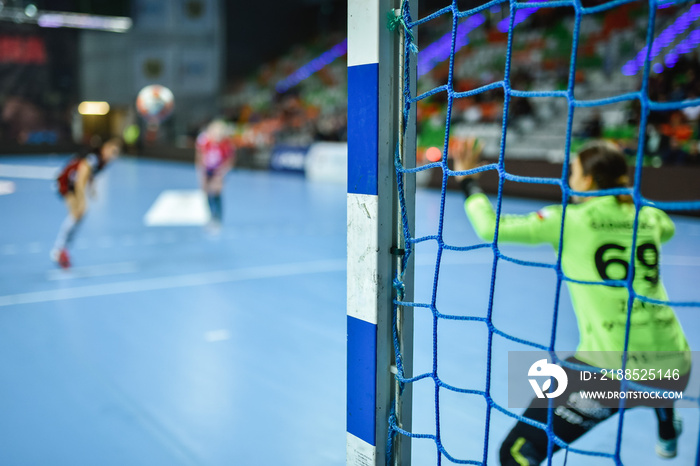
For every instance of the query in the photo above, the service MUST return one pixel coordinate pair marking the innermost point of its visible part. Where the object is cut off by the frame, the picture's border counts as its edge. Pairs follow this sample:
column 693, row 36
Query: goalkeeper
column 597, row 242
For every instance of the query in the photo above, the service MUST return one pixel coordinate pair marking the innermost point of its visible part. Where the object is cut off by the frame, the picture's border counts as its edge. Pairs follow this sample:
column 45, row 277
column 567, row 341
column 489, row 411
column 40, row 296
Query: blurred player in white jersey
column 214, row 158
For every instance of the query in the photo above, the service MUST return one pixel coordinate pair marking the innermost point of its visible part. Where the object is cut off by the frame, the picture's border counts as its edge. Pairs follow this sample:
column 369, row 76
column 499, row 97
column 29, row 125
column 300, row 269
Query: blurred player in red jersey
column 73, row 183
column 214, row 158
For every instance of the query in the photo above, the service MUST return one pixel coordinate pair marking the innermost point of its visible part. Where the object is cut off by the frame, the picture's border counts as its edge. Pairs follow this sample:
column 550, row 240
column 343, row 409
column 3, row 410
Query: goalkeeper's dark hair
column 605, row 163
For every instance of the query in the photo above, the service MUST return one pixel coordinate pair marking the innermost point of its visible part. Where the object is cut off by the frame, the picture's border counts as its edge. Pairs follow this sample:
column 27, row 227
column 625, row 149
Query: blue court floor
column 170, row 345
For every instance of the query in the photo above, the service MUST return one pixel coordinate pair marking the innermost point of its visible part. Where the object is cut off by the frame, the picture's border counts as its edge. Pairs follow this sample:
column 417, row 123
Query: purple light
column 687, row 45
column 312, row 67
column 83, row 21
column 439, row 50
column 657, row 68
column 49, row 22
column 520, row 16
column 628, row 70
column 664, row 39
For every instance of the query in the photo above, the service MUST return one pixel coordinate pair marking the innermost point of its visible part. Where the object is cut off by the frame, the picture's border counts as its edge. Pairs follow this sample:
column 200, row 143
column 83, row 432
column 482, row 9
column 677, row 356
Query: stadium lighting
column 687, row 45
column 93, row 108
column 520, row 16
column 666, row 38
column 439, row 50
column 312, row 67
column 58, row 19
column 83, row 21
column 433, row 54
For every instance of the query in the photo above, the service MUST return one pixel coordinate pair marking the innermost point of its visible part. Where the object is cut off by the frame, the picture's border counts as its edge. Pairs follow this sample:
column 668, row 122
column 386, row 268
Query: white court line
column 92, row 271
column 6, row 187
column 178, row 281
column 29, row 171
column 217, row 335
column 178, row 208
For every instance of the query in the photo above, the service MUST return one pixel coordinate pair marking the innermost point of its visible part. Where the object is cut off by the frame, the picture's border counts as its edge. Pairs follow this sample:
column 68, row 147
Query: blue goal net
column 645, row 40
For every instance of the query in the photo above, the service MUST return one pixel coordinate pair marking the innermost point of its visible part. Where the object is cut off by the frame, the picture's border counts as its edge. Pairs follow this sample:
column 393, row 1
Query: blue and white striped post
column 373, row 109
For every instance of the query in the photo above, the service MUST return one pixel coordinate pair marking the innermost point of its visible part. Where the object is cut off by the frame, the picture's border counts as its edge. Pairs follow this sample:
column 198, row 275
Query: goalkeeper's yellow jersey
column 597, row 243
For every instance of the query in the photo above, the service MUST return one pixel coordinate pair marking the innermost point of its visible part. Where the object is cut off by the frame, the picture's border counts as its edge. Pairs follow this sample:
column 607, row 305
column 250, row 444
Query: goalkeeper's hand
column 466, row 154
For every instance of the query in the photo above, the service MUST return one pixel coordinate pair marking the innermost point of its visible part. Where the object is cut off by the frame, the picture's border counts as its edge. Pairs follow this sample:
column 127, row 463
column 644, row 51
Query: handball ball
column 155, row 102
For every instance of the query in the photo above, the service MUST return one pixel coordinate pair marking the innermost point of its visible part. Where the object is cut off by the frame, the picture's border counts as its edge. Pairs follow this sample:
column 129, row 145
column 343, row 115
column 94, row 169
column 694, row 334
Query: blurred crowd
column 264, row 114
column 313, row 110
column 674, row 135
column 540, row 61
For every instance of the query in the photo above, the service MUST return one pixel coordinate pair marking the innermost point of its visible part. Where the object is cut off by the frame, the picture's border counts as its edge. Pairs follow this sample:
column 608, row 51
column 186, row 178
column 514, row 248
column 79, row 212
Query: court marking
column 231, row 232
column 177, row 281
column 29, row 171
column 213, row 336
column 178, row 208
column 6, row 187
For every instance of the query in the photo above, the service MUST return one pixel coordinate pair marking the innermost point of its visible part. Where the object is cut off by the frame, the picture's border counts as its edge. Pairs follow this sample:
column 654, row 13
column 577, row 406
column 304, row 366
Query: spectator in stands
column 678, row 135
column 593, row 126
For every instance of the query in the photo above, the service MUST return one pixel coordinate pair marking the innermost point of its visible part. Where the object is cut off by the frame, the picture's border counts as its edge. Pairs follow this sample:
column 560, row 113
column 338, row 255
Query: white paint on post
column 363, row 35
column 363, row 249
column 359, row 452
